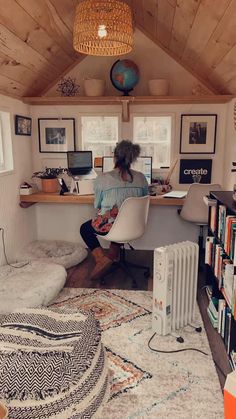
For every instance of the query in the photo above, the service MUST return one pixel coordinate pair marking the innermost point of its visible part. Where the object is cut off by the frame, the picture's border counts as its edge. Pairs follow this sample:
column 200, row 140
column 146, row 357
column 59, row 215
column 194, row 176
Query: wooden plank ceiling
column 36, row 40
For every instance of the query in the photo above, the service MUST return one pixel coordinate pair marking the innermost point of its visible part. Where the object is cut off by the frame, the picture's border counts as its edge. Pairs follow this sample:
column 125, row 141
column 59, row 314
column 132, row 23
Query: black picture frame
column 56, row 135
column 23, row 125
column 198, row 133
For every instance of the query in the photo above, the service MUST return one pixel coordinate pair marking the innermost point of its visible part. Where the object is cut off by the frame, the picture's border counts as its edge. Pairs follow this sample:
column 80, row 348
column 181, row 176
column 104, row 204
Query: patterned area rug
column 148, row 384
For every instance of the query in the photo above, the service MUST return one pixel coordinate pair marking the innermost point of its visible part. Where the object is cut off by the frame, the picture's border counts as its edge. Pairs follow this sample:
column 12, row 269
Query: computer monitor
column 79, row 162
column 143, row 164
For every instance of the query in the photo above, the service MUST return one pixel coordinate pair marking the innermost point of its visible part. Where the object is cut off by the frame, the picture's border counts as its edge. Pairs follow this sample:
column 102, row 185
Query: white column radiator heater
column 175, row 277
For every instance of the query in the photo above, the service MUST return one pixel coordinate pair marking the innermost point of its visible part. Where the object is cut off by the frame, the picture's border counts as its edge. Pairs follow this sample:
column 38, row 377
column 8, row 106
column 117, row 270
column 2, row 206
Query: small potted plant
column 49, row 178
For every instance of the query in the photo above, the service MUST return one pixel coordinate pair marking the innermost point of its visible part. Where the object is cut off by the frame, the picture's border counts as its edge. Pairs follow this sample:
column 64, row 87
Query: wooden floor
column 78, row 278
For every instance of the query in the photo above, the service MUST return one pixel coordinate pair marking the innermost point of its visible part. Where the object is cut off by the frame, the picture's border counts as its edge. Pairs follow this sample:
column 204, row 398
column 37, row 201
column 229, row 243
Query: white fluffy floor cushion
column 52, row 365
column 33, row 285
column 56, row 251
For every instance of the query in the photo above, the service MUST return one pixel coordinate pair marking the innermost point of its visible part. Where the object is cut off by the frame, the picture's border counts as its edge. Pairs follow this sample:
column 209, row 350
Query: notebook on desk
column 175, row 194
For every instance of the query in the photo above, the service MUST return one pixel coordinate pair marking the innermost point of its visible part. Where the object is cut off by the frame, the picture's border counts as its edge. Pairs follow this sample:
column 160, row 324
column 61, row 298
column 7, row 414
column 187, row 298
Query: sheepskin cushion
column 56, row 251
column 32, row 285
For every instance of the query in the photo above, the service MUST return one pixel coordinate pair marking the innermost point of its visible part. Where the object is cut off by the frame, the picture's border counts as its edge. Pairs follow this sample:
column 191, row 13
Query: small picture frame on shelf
column 56, row 135
column 23, row 125
column 198, row 133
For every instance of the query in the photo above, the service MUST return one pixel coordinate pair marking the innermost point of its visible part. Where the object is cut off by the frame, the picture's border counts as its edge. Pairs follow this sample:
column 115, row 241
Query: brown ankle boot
column 114, row 252
column 103, row 263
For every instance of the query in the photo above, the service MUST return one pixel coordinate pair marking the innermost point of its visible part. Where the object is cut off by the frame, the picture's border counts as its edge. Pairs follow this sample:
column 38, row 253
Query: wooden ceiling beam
column 205, row 83
column 45, row 13
column 21, row 24
column 206, row 20
column 18, row 72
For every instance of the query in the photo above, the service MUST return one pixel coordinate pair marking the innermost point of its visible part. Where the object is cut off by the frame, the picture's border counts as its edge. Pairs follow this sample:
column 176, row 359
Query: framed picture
column 198, row 134
column 56, row 135
column 23, row 125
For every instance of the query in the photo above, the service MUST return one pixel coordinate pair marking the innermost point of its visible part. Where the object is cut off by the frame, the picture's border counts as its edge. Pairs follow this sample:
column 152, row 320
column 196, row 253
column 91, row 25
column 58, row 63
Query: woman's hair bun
column 126, row 152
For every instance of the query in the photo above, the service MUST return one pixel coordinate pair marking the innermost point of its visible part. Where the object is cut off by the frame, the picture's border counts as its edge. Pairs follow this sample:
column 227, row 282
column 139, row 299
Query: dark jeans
column 89, row 235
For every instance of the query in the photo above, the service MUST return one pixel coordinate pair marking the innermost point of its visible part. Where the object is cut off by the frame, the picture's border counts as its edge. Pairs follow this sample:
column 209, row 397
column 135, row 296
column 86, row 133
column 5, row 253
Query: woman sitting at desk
column 111, row 189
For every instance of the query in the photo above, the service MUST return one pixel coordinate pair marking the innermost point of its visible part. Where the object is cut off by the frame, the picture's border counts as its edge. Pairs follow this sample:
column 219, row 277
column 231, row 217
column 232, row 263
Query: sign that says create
column 192, row 171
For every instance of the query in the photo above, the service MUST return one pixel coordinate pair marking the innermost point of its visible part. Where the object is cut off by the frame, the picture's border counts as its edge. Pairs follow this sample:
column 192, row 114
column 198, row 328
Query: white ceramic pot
column 94, row 87
column 158, row 87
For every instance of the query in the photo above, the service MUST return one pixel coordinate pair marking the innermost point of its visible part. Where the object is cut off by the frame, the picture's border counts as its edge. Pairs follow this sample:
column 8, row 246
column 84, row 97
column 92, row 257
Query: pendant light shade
column 103, row 27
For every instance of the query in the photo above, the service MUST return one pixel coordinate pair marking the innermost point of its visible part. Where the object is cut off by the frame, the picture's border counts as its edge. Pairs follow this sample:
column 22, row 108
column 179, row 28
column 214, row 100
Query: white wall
column 41, row 160
column 230, row 147
column 63, row 221
column 153, row 63
column 19, row 224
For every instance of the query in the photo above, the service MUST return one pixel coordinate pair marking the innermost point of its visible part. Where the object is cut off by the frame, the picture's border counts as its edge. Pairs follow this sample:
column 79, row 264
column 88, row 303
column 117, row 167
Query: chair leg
column 125, row 266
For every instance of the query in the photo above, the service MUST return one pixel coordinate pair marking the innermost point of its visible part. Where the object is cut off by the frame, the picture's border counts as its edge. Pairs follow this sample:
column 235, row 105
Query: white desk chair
column 194, row 208
column 129, row 225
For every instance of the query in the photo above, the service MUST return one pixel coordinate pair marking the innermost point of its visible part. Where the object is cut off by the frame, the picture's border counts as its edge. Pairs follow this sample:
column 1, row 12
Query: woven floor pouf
column 33, row 285
column 52, row 365
column 62, row 252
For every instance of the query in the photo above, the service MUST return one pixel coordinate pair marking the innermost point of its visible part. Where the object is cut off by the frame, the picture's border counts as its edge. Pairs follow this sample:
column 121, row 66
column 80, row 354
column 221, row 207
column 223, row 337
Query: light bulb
column 102, row 32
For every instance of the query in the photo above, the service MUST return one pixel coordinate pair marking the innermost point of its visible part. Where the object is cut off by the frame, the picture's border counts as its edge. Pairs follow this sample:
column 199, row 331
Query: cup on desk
column 161, row 189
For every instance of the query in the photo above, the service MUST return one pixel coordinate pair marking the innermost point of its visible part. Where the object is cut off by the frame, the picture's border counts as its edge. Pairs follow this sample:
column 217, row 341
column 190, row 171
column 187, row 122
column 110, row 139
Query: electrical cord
column 219, row 368
column 174, row 351
column 5, row 255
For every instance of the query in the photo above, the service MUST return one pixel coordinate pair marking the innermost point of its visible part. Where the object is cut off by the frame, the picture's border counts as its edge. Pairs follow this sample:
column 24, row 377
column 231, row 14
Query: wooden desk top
column 28, row 200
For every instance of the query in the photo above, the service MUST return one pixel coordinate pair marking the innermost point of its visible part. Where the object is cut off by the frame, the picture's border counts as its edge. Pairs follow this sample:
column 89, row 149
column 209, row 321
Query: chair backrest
column 131, row 220
column 194, row 208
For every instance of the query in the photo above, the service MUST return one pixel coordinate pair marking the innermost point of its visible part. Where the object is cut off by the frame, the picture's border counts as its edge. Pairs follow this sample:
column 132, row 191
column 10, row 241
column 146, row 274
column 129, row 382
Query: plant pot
column 94, row 87
column 50, row 185
column 158, row 87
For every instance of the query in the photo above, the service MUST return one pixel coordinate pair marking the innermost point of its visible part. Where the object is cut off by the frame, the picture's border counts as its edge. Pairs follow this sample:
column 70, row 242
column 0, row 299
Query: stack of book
column 220, row 316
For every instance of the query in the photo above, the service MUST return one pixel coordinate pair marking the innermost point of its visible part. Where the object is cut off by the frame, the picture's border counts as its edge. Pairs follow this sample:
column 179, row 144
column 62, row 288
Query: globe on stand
column 124, row 75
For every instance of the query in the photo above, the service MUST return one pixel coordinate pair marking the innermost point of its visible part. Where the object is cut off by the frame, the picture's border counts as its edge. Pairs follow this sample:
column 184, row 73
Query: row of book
column 232, row 360
column 221, row 318
column 224, row 229
column 223, row 269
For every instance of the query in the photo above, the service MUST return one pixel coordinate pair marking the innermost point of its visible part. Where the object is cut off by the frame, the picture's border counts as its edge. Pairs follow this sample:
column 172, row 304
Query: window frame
column 7, row 167
column 146, row 114
column 2, row 164
column 80, row 144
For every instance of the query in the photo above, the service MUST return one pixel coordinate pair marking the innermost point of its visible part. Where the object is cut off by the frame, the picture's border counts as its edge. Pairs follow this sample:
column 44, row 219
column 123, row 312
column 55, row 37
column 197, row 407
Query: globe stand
column 126, row 92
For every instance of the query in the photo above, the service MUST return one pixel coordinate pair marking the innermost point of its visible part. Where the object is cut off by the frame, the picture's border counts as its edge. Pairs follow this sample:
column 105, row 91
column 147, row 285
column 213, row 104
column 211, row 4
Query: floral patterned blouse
column 110, row 191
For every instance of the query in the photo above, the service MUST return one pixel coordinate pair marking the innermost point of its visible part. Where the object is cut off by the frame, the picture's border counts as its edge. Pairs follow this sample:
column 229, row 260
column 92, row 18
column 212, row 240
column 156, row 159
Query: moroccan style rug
column 147, row 384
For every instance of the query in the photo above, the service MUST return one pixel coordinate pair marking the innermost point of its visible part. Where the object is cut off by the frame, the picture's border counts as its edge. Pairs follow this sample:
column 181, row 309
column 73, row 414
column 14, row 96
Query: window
column 153, row 134
column 99, row 134
column 1, row 150
column 6, row 157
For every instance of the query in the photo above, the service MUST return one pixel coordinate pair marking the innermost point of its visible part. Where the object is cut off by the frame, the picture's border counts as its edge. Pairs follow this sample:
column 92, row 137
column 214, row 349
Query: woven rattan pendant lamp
column 103, row 27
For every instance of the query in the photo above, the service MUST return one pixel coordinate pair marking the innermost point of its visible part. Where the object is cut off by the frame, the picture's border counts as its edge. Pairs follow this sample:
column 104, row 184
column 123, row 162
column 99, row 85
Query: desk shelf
column 42, row 197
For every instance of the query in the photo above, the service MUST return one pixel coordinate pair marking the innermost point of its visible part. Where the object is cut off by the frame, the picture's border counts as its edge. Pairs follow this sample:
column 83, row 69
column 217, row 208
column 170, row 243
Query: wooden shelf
column 135, row 100
column 126, row 101
column 42, row 197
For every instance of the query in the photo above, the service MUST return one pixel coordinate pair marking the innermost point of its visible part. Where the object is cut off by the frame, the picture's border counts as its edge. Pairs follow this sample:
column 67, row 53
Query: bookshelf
column 220, row 260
